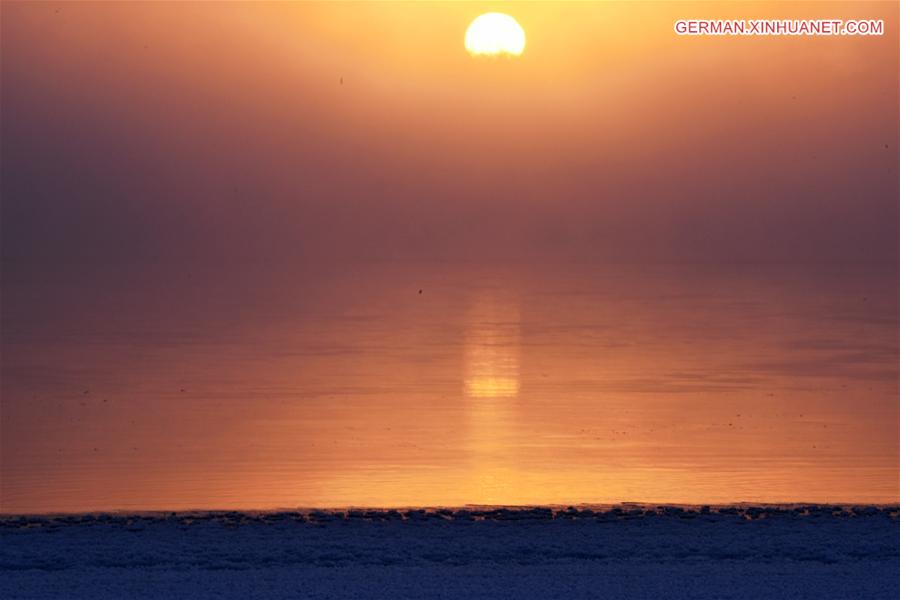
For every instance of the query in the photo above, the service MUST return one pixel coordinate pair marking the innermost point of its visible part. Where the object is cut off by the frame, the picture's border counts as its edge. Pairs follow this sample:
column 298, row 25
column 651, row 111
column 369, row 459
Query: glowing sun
column 495, row 34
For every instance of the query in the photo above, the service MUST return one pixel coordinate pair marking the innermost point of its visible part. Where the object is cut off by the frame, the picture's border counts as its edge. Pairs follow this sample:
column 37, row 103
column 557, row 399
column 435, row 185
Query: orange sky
column 611, row 138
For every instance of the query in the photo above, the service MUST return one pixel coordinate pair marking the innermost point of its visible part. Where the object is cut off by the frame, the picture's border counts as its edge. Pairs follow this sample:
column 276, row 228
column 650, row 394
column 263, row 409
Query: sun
column 493, row 34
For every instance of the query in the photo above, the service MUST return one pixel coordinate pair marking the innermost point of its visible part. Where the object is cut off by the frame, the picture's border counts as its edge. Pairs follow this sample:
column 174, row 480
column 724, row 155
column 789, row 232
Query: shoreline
column 486, row 512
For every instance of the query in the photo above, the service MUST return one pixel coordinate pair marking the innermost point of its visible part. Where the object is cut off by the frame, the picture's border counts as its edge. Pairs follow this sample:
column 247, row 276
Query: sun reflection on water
column 491, row 387
column 492, row 349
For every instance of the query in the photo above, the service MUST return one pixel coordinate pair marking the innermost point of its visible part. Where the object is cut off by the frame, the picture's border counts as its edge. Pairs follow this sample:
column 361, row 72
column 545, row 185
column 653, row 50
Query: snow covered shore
column 623, row 552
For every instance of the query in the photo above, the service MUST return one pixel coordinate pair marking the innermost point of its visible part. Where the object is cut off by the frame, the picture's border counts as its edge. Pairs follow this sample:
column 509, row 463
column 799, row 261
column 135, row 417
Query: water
column 249, row 386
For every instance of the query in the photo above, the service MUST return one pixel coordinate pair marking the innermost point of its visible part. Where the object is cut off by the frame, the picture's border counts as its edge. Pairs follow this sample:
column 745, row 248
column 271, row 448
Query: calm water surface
column 437, row 384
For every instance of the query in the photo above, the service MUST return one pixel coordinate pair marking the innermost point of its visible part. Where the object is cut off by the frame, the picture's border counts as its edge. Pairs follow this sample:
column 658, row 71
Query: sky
column 183, row 131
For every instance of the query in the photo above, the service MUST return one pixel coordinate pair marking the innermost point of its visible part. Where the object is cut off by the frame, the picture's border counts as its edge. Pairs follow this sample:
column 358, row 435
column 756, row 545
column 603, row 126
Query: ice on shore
column 619, row 552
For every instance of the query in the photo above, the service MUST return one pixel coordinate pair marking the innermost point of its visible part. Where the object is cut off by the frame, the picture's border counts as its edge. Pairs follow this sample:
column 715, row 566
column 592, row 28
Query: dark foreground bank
column 628, row 552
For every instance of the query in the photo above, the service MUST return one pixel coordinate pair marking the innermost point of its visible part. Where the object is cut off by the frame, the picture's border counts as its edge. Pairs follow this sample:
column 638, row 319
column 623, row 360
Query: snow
column 618, row 552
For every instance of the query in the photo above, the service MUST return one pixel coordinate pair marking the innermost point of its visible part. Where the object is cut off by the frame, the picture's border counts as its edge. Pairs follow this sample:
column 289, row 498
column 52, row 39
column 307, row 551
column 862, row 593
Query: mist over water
column 261, row 255
column 423, row 384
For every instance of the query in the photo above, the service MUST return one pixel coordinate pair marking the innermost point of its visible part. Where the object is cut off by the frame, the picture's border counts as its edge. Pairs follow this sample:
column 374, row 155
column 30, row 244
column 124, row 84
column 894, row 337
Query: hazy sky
column 222, row 130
